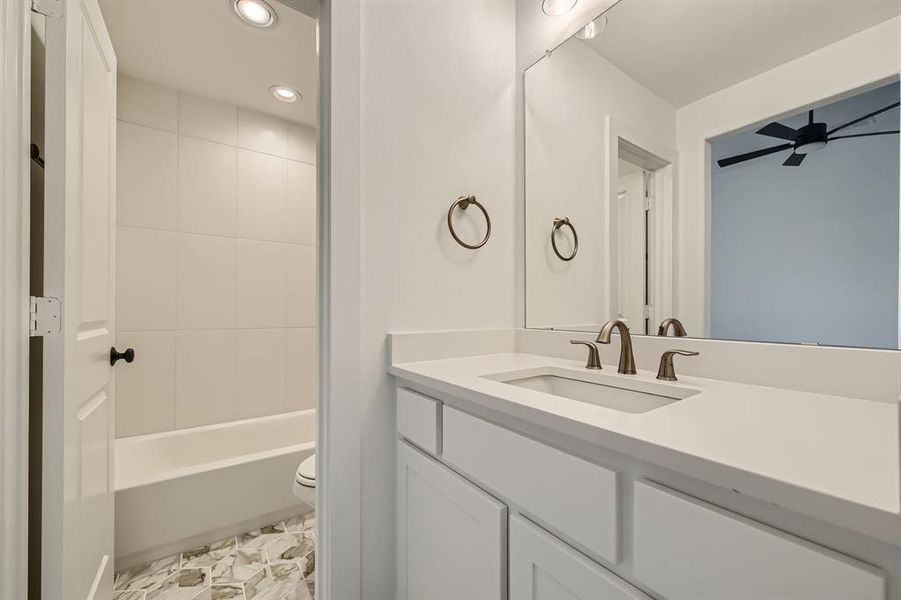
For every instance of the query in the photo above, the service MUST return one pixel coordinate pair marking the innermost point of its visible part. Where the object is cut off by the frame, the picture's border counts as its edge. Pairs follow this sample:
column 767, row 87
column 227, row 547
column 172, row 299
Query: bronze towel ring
column 564, row 222
column 463, row 202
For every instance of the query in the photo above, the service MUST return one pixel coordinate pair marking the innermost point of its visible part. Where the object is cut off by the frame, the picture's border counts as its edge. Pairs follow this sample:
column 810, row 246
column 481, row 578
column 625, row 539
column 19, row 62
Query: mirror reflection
column 719, row 167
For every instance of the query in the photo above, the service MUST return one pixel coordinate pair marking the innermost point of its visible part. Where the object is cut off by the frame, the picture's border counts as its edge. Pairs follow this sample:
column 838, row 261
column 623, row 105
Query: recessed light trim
column 555, row 8
column 256, row 13
column 283, row 93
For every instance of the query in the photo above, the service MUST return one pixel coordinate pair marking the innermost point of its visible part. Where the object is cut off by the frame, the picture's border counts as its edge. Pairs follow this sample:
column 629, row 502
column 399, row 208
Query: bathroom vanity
column 535, row 477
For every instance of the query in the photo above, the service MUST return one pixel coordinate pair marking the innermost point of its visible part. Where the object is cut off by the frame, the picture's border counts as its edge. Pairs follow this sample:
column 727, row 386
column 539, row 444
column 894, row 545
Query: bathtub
column 180, row 489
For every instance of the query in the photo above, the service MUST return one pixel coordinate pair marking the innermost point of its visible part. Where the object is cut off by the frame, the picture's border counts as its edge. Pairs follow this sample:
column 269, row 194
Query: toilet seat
column 306, row 472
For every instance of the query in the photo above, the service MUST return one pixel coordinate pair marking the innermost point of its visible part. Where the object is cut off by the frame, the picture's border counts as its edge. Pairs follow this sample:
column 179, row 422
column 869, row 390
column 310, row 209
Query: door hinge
column 49, row 8
column 648, row 309
column 44, row 316
column 649, row 202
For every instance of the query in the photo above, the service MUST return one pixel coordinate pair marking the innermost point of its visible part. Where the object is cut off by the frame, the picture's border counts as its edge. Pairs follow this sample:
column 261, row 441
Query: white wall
column 437, row 90
column 215, row 261
column 863, row 59
column 570, row 93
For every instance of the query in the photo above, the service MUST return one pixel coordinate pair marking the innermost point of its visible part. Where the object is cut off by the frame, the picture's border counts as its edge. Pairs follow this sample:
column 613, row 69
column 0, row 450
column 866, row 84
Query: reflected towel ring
column 558, row 223
column 463, row 202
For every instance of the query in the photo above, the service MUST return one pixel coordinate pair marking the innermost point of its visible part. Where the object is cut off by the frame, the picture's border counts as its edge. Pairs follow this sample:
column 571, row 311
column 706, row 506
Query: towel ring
column 564, row 222
column 463, row 202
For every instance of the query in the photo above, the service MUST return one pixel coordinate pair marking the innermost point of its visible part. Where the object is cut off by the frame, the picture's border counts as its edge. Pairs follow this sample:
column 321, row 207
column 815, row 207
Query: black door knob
column 114, row 355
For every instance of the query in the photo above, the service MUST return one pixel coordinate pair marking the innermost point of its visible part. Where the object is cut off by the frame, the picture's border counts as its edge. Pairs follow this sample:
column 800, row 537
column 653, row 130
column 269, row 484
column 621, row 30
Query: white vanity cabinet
column 544, row 568
column 579, row 529
column 451, row 536
column 689, row 550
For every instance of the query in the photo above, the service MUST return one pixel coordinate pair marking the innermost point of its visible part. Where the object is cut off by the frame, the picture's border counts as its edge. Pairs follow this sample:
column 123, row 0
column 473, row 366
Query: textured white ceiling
column 200, row 46
column 683, row 50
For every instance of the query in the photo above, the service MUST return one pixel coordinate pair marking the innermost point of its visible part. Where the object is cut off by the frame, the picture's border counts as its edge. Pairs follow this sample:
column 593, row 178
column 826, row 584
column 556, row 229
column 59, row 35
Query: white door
column 544, row 568
column 77, row 511
column 451, row 535
column 632, row 249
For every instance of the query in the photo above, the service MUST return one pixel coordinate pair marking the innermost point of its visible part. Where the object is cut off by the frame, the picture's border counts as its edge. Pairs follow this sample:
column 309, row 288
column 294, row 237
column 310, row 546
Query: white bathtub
column 179, row 489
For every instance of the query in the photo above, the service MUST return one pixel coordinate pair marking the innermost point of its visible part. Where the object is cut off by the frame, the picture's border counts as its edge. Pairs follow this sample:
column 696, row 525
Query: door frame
column 664, row 162
column 15, row 118
column 338, row 449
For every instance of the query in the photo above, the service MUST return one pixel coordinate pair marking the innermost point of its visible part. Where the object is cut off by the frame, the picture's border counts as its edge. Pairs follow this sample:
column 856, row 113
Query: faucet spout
column 626, row 358
column 678, row 328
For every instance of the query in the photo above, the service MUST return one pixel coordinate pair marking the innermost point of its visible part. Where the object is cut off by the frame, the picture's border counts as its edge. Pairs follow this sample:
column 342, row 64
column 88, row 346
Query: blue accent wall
column 809, row 254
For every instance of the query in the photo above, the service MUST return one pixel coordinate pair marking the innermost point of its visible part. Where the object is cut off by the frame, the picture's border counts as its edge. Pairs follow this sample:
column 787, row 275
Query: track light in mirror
column 555, row 8
column 593, row 29
column 255, row 12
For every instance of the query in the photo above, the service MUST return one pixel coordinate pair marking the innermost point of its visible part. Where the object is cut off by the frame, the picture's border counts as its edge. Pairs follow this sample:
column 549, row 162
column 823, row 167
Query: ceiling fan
column 811, row 137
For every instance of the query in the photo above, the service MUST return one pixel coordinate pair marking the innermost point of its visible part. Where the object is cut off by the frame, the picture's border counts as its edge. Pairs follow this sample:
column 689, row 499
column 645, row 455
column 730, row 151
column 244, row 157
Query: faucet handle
column 667, row 372
column 594, row 359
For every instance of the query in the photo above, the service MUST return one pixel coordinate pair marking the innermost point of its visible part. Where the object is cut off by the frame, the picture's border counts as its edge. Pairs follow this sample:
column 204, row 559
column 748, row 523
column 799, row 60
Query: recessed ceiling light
column 555, row 8
column 285, row 94
column 255, row 12
column 593, row 29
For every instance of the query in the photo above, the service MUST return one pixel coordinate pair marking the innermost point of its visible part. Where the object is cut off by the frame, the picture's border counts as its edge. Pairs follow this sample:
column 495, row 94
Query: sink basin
column 597, row 389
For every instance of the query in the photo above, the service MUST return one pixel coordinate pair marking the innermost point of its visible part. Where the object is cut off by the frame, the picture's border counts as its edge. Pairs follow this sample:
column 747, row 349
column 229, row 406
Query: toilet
column 305, row 480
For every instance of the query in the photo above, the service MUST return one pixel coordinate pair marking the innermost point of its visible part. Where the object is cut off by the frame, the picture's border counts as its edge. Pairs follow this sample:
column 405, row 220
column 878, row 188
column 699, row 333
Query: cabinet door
column 451, row 539
column 544, row 568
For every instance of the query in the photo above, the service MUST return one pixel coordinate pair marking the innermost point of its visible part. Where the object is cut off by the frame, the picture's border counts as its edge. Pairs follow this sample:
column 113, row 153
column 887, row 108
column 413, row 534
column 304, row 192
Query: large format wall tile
column 301, row 387
column 145, row 389
column 206, row 378
column 216, row 261
column 145, row 279
column 208, row 119
column 146, row 103
column 261, row 372
column 299, row 274
column 262, row 132
column 261, row 285
column 302, row 143
column 147, row 177
column 262, row 182
column 207, row 187
column 206, row 281
column 300, row 204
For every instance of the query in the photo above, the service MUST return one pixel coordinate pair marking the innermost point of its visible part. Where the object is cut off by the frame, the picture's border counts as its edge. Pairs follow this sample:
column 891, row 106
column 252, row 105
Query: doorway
column 633, row 218
column 198, row 291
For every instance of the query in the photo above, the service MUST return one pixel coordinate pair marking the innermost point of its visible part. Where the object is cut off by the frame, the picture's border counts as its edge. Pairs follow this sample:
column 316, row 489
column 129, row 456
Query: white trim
column 15, row 118
column 665, row 201
column 339, row 500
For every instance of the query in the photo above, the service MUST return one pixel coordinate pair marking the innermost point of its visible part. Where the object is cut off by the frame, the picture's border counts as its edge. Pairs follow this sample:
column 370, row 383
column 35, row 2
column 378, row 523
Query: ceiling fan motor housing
column 814, row 133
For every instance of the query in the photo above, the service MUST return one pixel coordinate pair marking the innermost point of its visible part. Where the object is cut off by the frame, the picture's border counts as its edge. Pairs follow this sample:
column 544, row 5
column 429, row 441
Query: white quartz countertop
column 792, row 448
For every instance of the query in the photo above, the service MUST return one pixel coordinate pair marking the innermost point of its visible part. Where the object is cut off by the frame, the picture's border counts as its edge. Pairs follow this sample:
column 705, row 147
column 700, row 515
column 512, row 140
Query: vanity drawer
column 417, row 419
column 577, row 498
column 686, row 549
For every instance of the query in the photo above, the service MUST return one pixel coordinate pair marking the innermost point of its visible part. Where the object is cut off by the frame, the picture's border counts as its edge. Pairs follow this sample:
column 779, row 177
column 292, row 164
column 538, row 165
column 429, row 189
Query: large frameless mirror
column 732, row 165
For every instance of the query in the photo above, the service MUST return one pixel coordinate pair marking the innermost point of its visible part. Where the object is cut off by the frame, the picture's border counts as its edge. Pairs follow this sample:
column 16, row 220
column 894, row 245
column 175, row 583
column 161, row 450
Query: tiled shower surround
column 276, row 562
column 216, row 234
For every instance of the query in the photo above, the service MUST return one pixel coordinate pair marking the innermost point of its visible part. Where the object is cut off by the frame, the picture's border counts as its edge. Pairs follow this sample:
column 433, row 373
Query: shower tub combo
column 185, row 488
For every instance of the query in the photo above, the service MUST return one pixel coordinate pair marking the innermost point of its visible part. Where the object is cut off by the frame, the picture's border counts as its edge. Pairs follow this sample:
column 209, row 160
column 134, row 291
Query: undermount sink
column 597, row 389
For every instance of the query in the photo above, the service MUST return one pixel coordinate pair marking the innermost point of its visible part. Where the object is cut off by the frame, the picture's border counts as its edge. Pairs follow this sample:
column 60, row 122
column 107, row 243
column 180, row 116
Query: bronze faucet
column 667, row 372
column 594, row 360
column 626, row 358
column 678, row 328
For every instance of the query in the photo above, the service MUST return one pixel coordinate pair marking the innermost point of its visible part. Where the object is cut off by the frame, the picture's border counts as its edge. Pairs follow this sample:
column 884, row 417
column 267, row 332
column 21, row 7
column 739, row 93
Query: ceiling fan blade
column 778, row 130
column 794, row 160
column 865, row 117
column 844, row 137
column 725, row 162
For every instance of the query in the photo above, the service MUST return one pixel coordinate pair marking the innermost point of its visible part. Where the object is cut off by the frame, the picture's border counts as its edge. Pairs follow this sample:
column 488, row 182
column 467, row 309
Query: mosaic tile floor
column 277, row 562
